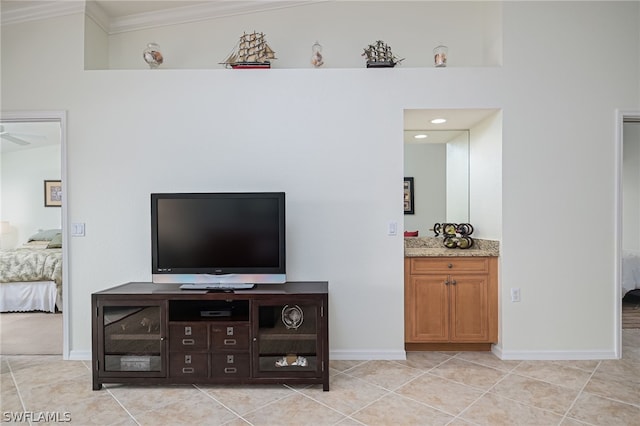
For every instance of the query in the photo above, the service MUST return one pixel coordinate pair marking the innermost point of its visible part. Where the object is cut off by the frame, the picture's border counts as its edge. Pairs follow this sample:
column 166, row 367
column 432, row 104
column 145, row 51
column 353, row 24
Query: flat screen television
column 222, row 240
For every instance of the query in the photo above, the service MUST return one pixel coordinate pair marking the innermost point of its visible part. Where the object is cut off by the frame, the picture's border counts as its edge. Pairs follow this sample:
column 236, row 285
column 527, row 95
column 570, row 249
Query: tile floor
column 429, row 388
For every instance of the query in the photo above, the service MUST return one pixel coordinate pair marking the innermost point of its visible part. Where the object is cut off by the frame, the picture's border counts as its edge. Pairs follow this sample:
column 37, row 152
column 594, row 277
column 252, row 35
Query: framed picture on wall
column 52, row 193
column 408, row 196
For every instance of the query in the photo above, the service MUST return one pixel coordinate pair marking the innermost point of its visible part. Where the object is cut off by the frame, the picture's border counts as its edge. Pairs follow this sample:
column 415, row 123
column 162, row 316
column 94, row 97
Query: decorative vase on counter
column 152, row 55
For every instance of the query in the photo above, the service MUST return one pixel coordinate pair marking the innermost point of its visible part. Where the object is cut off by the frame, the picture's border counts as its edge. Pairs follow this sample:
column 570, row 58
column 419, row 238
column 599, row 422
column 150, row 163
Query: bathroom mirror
column 438, row 162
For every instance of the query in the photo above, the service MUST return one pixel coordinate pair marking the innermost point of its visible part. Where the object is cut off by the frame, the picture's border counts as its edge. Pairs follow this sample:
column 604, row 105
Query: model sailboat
column 379, row 55
column 252, row 51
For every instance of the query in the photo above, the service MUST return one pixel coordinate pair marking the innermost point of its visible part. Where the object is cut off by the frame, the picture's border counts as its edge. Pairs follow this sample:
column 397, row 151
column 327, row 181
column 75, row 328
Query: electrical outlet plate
column 77, row 229
column 515, row 294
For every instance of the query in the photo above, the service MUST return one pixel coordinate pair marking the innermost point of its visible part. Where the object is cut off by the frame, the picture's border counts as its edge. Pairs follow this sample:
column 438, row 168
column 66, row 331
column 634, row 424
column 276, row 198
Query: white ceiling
column 457, row 119
column 36, row 134
column 419, row 121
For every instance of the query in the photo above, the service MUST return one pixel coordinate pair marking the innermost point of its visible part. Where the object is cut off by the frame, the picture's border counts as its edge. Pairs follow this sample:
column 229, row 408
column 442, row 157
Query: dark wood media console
column 146, row 333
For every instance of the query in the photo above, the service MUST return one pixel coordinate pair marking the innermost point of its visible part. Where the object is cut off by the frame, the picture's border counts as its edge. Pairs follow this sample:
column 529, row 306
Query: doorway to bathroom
column 629, row 233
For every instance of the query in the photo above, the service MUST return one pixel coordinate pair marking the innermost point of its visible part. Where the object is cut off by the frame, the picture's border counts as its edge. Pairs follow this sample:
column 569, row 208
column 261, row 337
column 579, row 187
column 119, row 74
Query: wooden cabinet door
column 469, row 319
column 428, row 302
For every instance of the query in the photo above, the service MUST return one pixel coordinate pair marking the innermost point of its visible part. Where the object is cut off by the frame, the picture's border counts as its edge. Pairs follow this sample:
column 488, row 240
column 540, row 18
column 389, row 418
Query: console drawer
column 183, row 364
column 230, row 365
column 188, row 337
column 229, row 336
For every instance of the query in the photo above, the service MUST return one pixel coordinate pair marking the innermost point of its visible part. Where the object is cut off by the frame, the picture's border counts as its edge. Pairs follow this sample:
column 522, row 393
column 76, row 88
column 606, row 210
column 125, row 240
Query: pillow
column 56, row 242
column 45, row 235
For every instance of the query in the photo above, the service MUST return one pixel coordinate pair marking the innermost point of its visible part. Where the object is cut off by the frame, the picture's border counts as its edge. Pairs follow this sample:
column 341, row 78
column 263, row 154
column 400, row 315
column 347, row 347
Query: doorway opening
column 32, row 202
column 628, row 232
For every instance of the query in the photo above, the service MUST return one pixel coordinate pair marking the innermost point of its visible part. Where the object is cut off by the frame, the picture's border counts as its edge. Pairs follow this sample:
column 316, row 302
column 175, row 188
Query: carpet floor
column 30, row 333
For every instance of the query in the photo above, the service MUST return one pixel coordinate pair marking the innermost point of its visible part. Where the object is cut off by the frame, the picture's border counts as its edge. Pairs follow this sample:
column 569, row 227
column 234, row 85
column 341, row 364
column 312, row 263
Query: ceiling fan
column 12, row 137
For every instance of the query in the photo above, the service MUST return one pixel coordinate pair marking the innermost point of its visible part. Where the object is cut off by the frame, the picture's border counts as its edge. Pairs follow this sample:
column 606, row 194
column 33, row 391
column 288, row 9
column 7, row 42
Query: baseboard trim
column 447, row 347
column 552, row 355
column 347, row 355
column 79, row 355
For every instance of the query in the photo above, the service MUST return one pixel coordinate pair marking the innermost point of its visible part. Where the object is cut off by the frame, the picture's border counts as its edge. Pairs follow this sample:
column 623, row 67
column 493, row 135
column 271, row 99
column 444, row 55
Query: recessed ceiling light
column 420, row 136
column 438, row 120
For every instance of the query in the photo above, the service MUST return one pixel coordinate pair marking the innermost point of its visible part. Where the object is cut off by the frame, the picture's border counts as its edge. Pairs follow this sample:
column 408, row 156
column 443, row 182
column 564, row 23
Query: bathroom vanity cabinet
column 451, row 303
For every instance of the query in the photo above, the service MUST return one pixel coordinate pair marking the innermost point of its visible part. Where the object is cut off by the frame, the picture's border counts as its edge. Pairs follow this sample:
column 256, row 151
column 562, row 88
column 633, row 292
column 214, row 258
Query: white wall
column 23, row 176
column 485, row 178
column 335, row 146
column 559, row 171
column 458, row 178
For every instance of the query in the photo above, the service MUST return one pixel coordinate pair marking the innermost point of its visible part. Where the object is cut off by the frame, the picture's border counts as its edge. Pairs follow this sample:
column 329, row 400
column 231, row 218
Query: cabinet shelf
column 135, row 337
column 278, row 336
column 268, row 364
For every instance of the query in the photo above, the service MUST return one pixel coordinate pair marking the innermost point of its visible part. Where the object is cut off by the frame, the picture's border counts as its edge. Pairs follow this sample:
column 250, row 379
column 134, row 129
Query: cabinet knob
column 454, row 282
column 450, row 265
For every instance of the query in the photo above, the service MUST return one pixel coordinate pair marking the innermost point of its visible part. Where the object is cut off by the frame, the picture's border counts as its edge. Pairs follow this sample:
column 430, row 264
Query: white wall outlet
column 77, row 229
column 515, row 294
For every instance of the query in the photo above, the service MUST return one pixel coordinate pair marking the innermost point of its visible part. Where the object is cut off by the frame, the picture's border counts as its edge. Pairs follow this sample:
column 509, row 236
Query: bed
column 31, row 275
column 630, row 270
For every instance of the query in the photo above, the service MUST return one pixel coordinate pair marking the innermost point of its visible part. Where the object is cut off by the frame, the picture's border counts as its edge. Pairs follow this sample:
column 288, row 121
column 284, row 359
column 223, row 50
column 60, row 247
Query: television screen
column 218, row 238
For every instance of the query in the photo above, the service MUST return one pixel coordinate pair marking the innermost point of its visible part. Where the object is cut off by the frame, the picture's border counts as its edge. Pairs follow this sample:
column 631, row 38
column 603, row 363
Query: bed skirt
column 29, row 296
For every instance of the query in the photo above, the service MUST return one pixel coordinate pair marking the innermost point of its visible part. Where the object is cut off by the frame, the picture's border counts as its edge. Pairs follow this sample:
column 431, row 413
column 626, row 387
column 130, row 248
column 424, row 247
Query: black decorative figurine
column 456, row 235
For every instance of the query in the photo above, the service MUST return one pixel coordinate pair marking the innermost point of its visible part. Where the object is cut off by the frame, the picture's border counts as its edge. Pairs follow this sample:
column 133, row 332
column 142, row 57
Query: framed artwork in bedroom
column 53, row 193
column 408, row 196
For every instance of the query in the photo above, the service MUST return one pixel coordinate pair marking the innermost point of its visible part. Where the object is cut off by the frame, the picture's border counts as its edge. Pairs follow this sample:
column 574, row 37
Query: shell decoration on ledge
column 152, row 55
column 316, row 55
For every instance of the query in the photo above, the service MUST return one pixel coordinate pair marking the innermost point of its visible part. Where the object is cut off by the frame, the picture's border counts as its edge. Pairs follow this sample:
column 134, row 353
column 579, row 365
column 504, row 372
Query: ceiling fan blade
column 13, row 139
column 27, row 135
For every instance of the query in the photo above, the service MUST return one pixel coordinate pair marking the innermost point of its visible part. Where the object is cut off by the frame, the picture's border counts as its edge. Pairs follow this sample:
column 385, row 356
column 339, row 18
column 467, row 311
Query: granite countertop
column 433, row 247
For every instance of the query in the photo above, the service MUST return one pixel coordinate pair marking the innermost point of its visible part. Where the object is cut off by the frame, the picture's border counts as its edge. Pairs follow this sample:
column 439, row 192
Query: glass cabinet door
column 286, row 339
column 133, row 338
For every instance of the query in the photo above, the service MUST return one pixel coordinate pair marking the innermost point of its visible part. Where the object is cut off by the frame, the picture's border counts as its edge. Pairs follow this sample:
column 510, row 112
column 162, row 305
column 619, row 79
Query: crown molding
column 41, row 10
column 98, row 15
column 198, row 12
column 179, row 15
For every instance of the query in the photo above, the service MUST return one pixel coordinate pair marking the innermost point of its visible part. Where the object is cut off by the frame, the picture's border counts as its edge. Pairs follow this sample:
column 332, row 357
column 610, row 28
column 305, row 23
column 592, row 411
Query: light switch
column 77, row 229
column 392, row 228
